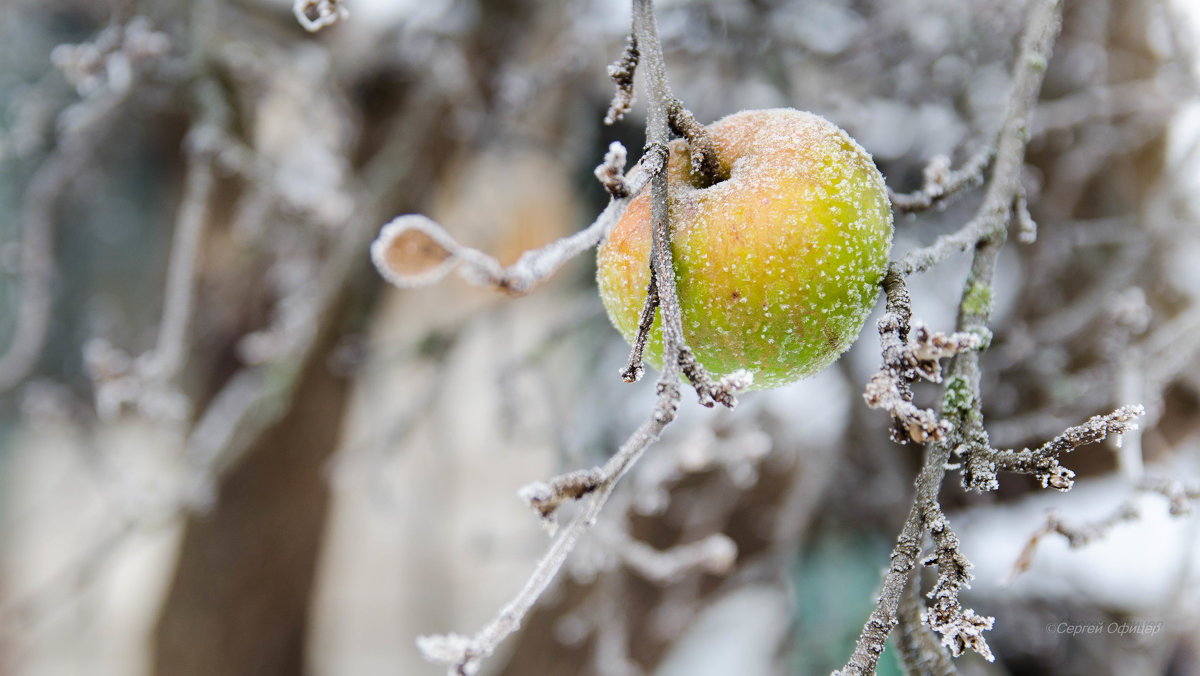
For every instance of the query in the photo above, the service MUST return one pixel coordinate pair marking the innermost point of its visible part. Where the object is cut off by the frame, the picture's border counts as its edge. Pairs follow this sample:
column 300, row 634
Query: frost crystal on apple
column 778, row 265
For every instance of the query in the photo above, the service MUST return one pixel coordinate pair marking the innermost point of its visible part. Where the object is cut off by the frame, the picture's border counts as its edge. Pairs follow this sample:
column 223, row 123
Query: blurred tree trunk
column 240, row 598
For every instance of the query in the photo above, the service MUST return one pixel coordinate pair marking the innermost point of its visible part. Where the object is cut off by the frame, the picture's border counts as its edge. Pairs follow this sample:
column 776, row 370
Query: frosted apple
column 778, row 266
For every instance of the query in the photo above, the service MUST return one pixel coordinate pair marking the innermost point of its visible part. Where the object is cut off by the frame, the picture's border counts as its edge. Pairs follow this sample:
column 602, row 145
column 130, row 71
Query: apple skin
column 778, row 266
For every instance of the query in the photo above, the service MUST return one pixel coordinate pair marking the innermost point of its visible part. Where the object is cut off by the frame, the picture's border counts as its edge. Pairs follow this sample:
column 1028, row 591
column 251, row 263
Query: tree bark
column 239, row 602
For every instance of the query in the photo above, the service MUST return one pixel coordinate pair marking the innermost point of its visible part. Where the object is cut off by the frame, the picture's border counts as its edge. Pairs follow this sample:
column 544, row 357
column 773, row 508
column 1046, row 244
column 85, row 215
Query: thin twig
column 705, row 162
column 413, row 250
column 1077, row 535
column 1043, row 463
column 463, row 653
column 635, row 367
column 920, row 652
column 179, row 297
column 941, row 183
column 621, row 73
column 42, row 196
column 1181, row 496
column 985, row 232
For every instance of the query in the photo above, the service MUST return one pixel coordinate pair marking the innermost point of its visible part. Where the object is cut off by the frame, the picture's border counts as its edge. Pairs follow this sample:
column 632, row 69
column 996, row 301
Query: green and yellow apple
column 778, row 265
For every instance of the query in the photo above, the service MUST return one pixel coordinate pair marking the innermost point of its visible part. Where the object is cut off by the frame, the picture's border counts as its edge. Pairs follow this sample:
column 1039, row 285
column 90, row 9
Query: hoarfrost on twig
column 984, row 234
column 413, row 250
column 317, row 14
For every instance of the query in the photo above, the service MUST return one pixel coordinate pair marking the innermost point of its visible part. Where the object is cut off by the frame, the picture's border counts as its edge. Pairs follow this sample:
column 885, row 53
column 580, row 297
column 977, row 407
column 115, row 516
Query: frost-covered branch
column 677, row 357
column 464, row 653
column 1043, row 463
column 147, row 382
column 1004, row 186
column 941, row 182
column 657, row 137
column 317, row 14
column 1082, row 534
column 635, row 367
column 904, row 560
column 1180, row 496
column 703, row 151
column 961, row 628
column 909, row 352
column 985, row 233
column 412, row 250
column 920, row 650
column 621, row 73
column 714, row 554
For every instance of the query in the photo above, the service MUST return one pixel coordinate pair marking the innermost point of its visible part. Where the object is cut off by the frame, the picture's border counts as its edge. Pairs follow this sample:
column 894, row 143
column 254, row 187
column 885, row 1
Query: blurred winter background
column 227, row 449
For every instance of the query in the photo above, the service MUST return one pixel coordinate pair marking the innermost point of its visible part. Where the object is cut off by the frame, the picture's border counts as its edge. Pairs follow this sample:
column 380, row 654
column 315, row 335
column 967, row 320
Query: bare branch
column 714, row 554
column 941, row 183
column 463, row 653
column 1077, row 535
